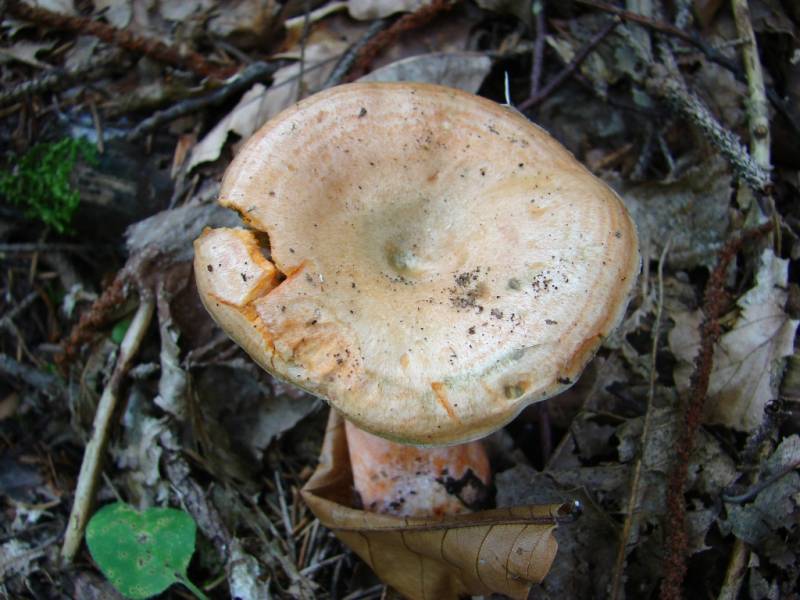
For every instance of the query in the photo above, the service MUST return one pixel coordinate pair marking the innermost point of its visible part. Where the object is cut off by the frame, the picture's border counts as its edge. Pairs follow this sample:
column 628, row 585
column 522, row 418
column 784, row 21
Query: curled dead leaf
column 494, row 551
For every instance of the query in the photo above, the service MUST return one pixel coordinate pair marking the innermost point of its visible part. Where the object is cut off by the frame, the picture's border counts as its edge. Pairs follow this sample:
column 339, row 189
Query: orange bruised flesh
column 410, row 481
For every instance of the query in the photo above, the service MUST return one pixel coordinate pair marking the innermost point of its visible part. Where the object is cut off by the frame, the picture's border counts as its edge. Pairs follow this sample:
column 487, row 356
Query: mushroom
column 426, row 260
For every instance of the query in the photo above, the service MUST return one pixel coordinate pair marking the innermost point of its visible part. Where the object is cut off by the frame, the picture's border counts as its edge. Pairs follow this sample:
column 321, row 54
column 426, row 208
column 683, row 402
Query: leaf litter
column 204, row 430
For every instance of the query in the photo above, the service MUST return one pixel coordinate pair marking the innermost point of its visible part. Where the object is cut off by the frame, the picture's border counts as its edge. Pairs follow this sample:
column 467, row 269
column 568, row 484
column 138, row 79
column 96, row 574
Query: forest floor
column 681, row 440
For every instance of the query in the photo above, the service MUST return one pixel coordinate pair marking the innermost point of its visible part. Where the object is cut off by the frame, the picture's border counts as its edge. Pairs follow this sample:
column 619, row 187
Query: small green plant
column 142, row 553
column 119, row 330
column 40, row 181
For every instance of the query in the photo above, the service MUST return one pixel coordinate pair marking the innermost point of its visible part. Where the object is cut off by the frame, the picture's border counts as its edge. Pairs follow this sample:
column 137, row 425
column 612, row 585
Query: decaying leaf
column 260, row 103
column 502, row 551
column 116, row 12
column 66, row 7
column 245, row 23
column 522, row 9
column 693, row 208
column 743, row 379
column 26, row 52
column 771, row 520
column 184, row 10
column 140, row 454
column 246, row 575
column 173, row 383
column 234, row 400
column 18, row 559
column 365, row 10
column 171, row 232
column 585, row 556
column 463, row 70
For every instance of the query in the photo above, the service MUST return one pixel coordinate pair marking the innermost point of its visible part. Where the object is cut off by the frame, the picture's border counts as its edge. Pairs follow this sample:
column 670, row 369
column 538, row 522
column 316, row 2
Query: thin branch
column 573, row 65
column 712, row 54
column 12, row 314
column 251, row 74
column 683, row 101
column 24, row 248
column 734, row 573
column 627, row 15
column 152, row 48
column 350, row 56
column 388, row 37
column 754, row 491
column 96, row 448
column 57, row 78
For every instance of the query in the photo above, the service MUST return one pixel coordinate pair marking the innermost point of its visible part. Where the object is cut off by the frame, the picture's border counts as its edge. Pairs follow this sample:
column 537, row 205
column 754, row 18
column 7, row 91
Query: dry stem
column 156, row 50
column 714, row 304
column 633, row 497
column 95, row 449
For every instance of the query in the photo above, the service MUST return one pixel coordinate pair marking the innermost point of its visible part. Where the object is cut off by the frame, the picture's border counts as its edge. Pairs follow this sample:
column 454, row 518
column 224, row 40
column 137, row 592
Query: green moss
column 39, row 181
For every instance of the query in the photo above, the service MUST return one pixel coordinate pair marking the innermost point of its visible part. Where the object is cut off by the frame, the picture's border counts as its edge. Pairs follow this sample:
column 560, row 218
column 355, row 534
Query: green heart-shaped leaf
column 141, row 553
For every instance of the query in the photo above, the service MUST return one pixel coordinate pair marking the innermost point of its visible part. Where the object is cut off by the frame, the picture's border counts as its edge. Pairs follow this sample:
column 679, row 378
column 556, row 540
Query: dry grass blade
column 634, row 494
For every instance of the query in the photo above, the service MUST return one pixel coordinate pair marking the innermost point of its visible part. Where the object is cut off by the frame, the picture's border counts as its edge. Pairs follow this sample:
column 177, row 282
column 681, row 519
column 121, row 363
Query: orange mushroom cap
column 438, row 262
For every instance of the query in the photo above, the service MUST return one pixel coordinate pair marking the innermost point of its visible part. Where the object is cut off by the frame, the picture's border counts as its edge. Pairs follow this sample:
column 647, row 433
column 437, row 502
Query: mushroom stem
column 405, row 480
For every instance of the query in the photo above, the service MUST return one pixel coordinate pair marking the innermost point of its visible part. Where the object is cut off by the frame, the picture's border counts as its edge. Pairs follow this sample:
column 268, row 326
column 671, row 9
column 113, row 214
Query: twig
column 40, row 380
column 348, row 59
column 761, row 486
column 740, row 554
column 18, row 309
column 251, row 74
column 573, row 65
column 683, row 101
column 57, row 78
column 287, row 523
column 757, row 112
column 643, row 20
column 154, row 49
column 321, row 564
column 197, row 503
column 710, row 53
column 94, row 318
column 95, row 449
column 386, row 38
column 734, row 573
column 538, row 47
column 300, row 92
column 714, row 304
column 29, row 247
column 633, row 496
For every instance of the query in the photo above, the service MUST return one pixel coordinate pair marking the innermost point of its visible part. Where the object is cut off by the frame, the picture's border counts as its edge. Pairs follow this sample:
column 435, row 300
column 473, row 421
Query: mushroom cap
column 437, row 262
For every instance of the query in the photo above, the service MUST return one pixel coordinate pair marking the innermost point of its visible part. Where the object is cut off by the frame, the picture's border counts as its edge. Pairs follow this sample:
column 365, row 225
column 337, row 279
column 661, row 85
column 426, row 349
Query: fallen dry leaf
column 17, row 558
column 26, row 52
column 260, row 103
column 693, row 208
column 117, row 12
column 366, row 10
column 245, row 23
column 770, row 521
column 65, row 7
column 743, row 378
column 181, row 10
column 463, row 70
column 495, row 551
column 522, row 9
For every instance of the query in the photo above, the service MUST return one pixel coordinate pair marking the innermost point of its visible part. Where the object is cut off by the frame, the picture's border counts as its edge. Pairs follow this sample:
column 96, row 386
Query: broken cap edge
column 257, row 341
